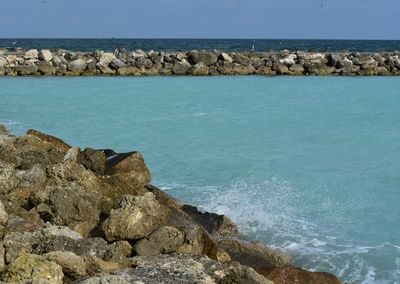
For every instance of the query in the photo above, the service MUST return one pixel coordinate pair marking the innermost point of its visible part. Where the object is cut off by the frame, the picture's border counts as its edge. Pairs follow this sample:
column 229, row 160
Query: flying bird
column 15, row 42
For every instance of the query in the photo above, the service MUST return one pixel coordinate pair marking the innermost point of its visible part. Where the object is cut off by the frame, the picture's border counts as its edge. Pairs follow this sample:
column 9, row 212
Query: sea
column 308, row 165
column 110, row 44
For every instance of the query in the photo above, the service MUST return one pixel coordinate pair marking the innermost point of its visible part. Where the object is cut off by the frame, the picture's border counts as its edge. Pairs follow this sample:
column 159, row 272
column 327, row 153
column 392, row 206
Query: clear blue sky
column 336, row 19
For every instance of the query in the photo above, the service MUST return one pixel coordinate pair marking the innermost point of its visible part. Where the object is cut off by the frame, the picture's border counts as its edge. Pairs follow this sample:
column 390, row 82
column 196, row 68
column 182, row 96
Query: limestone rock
column 30, row 267
column 254, row 255
column 45, row 55
column 290, row 274
column 131, row 167
column 164, row 240
column 72, row 265
column 135, row 218
column 225, row 57
column 31, row 54
column 77, row 65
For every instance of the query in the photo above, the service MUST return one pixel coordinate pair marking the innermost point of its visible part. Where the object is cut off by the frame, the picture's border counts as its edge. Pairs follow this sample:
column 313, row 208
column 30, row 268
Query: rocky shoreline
column 92, row 216
column 196, row 63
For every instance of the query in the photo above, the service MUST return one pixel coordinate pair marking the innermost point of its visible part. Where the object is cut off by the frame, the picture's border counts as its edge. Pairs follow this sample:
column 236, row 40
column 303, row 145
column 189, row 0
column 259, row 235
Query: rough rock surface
column 67, row 215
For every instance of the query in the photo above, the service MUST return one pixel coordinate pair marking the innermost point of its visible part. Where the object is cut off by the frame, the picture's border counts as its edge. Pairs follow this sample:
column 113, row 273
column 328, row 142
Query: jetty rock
column 122, row 62
column 93, row 216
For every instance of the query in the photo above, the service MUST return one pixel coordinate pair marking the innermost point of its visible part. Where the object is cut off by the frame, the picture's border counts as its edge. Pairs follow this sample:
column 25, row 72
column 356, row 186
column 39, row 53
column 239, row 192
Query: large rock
column 29, row 69
column 46, row 68
column 45, row 55
column 73, row 265
column 164, row 240
column 31, row 54
column 94, row 160
column 77, row 65
column 106, row 58
column 171, row 269
column 208, row 58
column 117, row 63
column 135, row 218
column 181, row 68
column 35, row 268
column 255, row 254
column 130, row 167
column 290, row 274
column 216, row 225
column 8, row 179
column 225, row 57
column 56, row 142
column 200, row 69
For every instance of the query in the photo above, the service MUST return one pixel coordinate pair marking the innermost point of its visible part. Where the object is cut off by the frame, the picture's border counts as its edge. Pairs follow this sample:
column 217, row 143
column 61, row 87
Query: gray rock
column 45, row 55
column 164, row 240
column 106, row 58
column 135, row 218
column 58, row 61
column 46, row 68
column 225, row 57
column 207, row 58
column 335, row 60
column 94, row 160
column 117, row 63
column 181, row 68
column 28, row 69
column 77, row 65
column 33, row 177
column 31, row 54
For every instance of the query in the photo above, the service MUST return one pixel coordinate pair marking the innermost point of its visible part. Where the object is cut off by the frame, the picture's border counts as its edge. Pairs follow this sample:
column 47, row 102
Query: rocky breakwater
column 196, row 63
column 91, row 216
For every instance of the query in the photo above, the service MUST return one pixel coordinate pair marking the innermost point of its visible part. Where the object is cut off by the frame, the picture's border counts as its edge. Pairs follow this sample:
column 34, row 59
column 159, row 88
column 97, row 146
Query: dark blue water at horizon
column 109, row 44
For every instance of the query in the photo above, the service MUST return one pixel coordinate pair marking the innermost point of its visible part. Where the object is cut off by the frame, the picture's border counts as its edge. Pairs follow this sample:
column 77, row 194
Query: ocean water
column 307, row 164
column 111, row 44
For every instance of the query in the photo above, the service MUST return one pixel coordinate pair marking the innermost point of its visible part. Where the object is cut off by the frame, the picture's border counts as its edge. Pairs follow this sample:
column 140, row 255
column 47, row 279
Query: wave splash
column 270, row 210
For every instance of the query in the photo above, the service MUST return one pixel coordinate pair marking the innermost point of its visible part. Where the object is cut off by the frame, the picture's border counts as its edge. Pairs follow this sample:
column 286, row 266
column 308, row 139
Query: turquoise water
column 307, row 164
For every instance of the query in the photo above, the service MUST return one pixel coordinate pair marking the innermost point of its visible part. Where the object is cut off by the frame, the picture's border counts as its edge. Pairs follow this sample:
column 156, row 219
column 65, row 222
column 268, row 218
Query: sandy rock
column 164, row 240
column 72, row 265
column 215, row 225
column 94, row 160
column 45, row 55
column 135, row 218
column 30, row 267
column 255, row 254
column 31, row 54
column 290, row 274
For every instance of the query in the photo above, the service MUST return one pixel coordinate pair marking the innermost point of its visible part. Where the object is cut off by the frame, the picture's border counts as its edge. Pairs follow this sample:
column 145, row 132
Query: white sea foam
column 268, row 210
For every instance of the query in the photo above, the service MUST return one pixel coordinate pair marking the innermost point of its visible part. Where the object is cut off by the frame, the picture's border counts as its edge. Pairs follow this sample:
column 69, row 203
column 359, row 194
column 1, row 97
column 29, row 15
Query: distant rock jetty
column 92, row 216
column 196, row 63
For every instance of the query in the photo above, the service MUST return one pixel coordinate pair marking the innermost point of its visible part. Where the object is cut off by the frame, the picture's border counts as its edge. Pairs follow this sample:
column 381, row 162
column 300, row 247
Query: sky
column 269, row 19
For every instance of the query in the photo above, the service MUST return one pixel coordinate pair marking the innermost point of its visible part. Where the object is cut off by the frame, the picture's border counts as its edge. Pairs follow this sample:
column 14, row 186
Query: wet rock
column 254, row 255
column 94, row 160
column 136, row 217
column 216, row 225
column 73, row 266
column 164, row 240
column 290, row 274
column 30, row 267
column 45, row 55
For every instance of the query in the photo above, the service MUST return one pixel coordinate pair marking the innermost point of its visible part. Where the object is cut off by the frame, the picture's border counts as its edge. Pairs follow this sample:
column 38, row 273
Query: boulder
column 181, row 68
column 31, row 54
column 200, row 69
column 59, row 61
column 77, row 65
column 254, row 254
column 45, row 55
column 335, row 60
column 290, row 274
column 214, row 224
column 75, row 207
column 296, row 69
column 34, row 177
column 225, row 57
column 46, row 68
column 288, row 60
column 164, row 240
column 94, row 160
column 130, row 167
column 29, row 69
column 116, row 64
column 136, row 217
column 106, row 58
column 35, row 268
column 8, row 179
column 3, row 62
column 95, row 265
column 73, row 266
column 282, row 69
column 208, row 58
column 74, row 154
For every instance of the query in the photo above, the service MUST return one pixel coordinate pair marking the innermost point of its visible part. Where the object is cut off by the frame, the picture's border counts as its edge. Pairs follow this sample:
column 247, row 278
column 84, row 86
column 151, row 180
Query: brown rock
column 290, row 274
column 94, row 160
column 57, row 143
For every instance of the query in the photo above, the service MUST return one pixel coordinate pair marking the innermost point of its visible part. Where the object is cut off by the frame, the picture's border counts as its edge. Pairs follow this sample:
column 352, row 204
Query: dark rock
column 29, row 69
column 94, row 160
column 46, row 68
column 207, row 58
